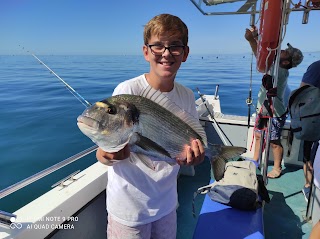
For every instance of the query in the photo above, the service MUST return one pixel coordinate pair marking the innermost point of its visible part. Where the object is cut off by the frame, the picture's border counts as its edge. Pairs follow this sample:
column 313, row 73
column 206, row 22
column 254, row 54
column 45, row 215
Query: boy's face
column 165, row 65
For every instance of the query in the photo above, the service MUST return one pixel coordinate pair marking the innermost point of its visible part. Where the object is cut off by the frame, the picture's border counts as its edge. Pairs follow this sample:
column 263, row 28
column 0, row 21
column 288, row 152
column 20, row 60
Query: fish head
column 109, row 123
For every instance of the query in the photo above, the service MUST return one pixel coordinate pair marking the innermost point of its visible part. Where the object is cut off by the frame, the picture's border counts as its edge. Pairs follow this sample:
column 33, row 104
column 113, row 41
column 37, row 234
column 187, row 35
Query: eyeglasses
column 158, row 50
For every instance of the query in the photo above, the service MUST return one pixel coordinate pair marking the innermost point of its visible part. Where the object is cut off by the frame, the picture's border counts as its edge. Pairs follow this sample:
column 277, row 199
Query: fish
column 152, row 125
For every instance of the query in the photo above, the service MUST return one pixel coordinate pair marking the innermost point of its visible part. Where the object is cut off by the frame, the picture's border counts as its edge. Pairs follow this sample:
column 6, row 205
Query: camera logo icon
column 15, row 225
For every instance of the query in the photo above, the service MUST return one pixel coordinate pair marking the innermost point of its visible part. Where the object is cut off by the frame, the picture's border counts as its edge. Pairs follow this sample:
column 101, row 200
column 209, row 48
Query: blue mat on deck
column 220, row 221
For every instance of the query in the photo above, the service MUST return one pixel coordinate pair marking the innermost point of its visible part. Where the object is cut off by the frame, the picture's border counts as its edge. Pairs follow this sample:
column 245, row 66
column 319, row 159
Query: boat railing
column 242, row 10
column 25, row 182
column 5, row 217
column 249, row 7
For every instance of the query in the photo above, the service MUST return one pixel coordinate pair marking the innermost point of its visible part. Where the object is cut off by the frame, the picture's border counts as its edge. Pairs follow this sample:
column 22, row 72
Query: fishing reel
column 249, row 101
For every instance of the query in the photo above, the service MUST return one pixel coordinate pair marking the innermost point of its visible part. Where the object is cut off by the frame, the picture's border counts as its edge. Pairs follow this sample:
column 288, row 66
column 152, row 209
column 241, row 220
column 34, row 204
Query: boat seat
column 217, row 220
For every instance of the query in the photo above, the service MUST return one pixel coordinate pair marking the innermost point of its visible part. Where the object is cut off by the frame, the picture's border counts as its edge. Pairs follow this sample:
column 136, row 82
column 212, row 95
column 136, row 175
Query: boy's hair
column 165, row 23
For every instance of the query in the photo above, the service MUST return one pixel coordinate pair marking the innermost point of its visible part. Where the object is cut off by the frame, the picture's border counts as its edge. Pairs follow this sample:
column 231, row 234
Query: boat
column 75, row 206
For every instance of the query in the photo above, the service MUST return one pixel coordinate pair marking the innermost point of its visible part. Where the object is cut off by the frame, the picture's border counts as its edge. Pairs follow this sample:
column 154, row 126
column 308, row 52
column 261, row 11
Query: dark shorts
column 276, row 127
column 309, row 150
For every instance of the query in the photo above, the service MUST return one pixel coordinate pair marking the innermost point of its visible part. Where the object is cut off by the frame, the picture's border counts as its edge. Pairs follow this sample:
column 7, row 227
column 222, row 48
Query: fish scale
column 171, row 132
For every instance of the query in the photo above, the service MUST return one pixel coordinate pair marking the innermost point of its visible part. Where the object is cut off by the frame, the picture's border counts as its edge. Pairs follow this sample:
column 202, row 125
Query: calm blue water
column 38, row 114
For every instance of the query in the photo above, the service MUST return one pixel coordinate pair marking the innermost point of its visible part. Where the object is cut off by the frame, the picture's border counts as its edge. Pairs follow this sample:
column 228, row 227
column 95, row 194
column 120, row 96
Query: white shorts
column 164, row 228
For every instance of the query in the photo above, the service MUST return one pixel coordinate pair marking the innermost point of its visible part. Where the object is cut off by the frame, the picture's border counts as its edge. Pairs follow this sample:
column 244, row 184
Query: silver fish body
column 151, row 124
column 142, row 123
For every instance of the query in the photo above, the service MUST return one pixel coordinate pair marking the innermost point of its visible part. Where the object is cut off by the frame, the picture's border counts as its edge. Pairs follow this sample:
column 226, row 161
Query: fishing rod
column 249, row 99
column 220, row 132
column 72, row 91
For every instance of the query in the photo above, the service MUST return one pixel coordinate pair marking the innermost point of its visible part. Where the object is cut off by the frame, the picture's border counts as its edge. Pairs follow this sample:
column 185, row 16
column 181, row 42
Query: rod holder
column 305, row 16
column 216, row 92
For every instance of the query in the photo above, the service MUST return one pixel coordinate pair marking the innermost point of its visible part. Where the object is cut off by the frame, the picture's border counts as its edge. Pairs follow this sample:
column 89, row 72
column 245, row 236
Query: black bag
column 240, row 187
column 304, row 108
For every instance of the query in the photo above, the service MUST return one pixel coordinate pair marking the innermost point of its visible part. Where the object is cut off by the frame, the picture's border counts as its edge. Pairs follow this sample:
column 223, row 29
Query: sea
column 38, row 113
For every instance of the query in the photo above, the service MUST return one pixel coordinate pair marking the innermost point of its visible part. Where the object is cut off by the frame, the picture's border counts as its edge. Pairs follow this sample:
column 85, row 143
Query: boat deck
column 187, row 185
column 284, row 216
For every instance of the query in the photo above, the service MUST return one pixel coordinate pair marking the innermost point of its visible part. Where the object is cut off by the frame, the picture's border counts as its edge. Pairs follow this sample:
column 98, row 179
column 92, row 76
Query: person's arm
column 112, row 158
column 250, row 35
column 303, row 84
column 315, row 232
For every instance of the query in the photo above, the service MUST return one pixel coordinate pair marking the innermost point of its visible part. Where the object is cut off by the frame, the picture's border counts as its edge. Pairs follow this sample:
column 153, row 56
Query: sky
column 115, row 27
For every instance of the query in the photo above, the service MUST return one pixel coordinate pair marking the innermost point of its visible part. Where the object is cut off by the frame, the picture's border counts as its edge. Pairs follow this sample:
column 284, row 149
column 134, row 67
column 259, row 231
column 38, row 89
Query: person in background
column 290, row 57
column 310, row 77
column 141, row 202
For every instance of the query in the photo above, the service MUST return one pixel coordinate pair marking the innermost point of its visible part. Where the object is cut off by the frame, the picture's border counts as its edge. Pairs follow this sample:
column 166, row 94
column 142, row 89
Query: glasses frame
column 165, row 48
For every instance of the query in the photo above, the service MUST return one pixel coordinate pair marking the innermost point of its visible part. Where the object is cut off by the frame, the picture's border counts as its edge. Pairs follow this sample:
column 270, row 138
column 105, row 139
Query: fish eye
column 111, row 110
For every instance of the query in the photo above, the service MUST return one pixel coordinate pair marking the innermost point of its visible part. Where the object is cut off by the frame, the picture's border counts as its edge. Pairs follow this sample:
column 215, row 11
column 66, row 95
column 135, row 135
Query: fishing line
column 71, row 90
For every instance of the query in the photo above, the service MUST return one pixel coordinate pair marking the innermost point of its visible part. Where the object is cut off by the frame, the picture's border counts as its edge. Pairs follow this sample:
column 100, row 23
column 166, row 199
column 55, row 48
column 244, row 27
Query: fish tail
column 222, row 155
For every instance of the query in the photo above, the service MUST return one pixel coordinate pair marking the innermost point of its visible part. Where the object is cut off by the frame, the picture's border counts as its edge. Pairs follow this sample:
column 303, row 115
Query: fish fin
column 147, row 162
column 149, row 145
column 146, row 147
column 224, row 154
column 162, row 100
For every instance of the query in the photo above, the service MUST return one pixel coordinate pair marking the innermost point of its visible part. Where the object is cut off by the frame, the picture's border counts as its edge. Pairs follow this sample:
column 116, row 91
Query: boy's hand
column 110, row 158
column 195, row 153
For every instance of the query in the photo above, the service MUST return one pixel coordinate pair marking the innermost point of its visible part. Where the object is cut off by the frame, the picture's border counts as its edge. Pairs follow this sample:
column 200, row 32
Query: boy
column 141, row 202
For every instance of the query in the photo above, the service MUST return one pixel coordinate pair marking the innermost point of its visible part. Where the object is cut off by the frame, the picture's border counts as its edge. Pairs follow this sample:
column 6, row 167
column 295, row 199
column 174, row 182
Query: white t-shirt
column 316, row 168
column 137, row 195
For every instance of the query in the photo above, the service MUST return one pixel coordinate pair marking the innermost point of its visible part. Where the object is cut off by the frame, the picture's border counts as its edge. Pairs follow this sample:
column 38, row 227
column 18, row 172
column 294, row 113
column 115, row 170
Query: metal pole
column 275, row 75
